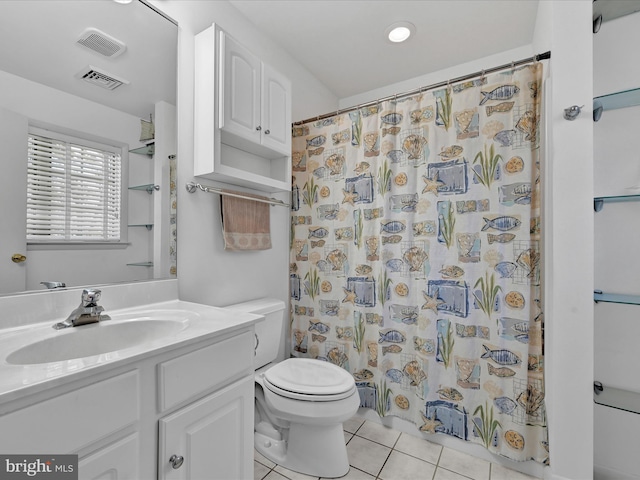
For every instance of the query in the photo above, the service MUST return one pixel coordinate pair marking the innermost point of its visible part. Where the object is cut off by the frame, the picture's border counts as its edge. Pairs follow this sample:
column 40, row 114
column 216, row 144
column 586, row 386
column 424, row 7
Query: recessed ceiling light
column 124, row 2
column 400, row 31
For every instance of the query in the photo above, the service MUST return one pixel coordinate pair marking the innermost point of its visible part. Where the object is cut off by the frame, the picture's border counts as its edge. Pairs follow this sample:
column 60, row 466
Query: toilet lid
column 310, row 377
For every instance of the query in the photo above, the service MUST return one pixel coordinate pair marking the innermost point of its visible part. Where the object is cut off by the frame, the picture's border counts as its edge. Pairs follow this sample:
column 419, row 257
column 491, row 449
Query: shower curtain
column 415, row 257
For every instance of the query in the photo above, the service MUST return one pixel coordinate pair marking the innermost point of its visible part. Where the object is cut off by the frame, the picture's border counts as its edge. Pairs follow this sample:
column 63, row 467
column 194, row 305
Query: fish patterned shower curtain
column 415, row 258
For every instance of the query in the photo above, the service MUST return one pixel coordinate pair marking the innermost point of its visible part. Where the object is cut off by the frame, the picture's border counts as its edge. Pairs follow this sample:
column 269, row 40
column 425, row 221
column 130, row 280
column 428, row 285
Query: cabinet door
column 240, row 106
column 119, row 461
column 214, row 437
column 276, row 111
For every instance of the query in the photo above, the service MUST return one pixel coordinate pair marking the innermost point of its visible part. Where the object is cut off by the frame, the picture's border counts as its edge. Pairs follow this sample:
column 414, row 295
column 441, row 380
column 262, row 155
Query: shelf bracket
column 598, row 203
column 598, row 387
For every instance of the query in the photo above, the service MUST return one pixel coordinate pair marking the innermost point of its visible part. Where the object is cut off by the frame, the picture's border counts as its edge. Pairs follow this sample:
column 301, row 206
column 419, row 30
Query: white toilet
column 300, row 402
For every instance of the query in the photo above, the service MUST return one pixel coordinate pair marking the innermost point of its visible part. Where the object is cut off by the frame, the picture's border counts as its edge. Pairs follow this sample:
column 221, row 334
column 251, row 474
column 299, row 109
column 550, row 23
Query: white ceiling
column 38, row 42
column 342, row 43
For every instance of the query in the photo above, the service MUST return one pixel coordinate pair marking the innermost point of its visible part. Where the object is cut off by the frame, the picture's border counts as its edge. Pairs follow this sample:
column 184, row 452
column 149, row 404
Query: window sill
column 77, row 246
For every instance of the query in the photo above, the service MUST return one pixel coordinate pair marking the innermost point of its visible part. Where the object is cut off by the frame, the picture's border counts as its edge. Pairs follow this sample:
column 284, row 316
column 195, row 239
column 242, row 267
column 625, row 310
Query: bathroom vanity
column 177, row 404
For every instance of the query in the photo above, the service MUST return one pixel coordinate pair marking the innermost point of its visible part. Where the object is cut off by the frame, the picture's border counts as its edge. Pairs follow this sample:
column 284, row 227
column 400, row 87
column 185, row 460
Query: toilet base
column 307, row 450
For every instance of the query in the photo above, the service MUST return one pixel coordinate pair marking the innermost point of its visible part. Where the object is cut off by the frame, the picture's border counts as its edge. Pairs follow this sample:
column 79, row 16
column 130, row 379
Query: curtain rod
column 191, row 187
column 535, row 58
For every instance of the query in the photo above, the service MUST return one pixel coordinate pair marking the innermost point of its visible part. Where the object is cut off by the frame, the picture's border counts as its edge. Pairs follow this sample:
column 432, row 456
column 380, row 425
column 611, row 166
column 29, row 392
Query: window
column 73, row 190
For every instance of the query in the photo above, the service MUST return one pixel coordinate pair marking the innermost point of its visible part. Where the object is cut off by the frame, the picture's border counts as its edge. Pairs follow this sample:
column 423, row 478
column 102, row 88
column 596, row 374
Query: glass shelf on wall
column 617, row 398
column 140, row 264
column 149, row 188
column 622, row 99
column 146, row 150
column 148, row 226
column 600, row 296
column 598, row 202
column 613, row 10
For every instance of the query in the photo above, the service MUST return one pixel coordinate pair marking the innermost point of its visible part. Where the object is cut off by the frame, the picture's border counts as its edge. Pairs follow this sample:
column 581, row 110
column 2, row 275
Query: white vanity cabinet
column 208, row 438
column 194, row 401
column 242, row 115
column 118, row 461
column 212, row 437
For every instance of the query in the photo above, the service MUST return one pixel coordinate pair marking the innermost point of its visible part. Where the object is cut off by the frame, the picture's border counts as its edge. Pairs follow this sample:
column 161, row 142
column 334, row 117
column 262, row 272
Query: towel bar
column 191, row 187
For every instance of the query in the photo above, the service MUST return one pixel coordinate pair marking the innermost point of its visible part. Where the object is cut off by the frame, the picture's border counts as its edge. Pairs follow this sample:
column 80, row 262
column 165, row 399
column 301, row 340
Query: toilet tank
column 268, row 331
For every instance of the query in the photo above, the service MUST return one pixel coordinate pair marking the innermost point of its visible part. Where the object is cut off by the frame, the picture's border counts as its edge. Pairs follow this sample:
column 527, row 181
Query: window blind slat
column 73, row 191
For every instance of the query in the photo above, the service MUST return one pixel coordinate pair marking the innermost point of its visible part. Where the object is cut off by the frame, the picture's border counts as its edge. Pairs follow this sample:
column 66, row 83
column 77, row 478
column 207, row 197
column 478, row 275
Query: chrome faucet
column 88, row 312
column 53, row 285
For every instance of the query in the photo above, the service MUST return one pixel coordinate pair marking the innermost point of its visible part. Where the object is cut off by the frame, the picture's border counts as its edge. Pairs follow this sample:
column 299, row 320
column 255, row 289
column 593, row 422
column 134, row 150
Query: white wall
column 439, row 76
column 207, row 273
column 617, row 268
column 565, row 29
column 43, row 105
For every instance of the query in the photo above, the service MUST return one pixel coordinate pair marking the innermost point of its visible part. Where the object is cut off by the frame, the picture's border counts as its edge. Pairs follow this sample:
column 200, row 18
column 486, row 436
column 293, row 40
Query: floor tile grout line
column 400, row 451
column 360, row 470
column 417, row 458
column 374, row 441
column 383, row 464
column 396, row 442
column 457, row 473
column 270, row 468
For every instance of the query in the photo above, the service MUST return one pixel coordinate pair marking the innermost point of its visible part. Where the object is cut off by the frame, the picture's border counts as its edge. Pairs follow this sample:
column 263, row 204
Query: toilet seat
column 309, row 380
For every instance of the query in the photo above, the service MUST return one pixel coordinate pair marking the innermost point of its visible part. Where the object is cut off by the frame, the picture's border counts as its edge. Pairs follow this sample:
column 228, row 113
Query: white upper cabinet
column 241, row 90
column 276, row 110
column 242, row 116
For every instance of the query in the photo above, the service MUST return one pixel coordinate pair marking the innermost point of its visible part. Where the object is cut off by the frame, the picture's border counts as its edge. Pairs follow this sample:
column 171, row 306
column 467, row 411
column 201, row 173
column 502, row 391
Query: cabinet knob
column 258, row 128
column 176, row 461
column 267, row 132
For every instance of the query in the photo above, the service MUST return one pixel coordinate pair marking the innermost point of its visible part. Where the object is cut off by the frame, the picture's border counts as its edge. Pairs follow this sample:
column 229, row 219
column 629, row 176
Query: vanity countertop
column 198, row 323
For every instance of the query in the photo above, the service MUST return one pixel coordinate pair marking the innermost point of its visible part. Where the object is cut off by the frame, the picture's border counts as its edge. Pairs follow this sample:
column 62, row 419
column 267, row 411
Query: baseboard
column 605, row 473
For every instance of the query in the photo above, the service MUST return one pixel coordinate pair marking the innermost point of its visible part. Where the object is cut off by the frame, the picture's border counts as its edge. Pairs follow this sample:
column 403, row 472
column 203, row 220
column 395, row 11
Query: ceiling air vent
column 100, row 42
column 101, row 78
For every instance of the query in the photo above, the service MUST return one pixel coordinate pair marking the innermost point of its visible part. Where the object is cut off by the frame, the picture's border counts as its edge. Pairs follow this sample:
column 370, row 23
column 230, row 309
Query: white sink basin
column 94, row 339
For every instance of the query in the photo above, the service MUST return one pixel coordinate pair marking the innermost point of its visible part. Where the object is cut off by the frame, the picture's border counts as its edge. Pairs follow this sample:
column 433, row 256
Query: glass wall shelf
column 146, row 150
column 148, row 226
column 618, row 398
column 613, row 10
column 148, row 188
column 598, row 202
column 600, row 296
column 612, row 101
column 140, row 264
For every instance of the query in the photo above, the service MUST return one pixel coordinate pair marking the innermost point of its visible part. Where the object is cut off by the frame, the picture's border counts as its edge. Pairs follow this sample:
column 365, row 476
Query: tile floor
column 378, row 452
